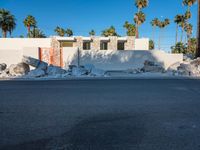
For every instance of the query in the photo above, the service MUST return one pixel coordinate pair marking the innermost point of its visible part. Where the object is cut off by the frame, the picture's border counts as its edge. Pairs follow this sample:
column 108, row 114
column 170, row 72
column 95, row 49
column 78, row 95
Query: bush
column 151, row 45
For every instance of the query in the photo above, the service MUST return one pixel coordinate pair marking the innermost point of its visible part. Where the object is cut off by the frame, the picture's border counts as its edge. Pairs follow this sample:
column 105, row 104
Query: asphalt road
column 100, row 115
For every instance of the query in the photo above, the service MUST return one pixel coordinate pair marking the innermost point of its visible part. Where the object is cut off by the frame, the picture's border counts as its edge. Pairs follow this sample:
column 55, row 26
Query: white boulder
column 89, row 67
column 36, row 73
column 19, row 69
column 53, row 70
column 31, row 61
column 150, row 66
column 3, row 66
column 79, row 71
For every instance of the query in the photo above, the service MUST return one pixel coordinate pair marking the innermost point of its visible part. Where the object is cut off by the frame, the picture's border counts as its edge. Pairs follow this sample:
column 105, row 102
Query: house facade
column 104, row 43
column 55, row 50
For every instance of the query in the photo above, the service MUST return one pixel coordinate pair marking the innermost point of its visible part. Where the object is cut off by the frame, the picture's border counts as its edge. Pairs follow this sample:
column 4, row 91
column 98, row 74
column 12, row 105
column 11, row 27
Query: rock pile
column 191, row 68
column 87, row 70
column 187, row 68
column 150, row 66
column 42, row 69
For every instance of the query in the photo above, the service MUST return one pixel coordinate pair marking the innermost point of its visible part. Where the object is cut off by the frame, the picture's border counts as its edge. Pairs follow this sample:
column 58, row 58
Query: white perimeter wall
column 10, row 56
column 20, row 43
column 120, row 60
column 142, row 44
column 12, row 49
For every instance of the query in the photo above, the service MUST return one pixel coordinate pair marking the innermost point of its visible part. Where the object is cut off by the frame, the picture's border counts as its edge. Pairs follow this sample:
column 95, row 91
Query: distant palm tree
column 182, row 25
column 162, row 25
column 109, row 32
column 7, row 22
column 69, row 32
column 131, row 29
column 60, row 31
column 37, row 33
column 154, row 24
column 139, row 19
column 188, row 15
column 92, row 33
column 177, row 20
column 189, row 3
column 188, row 29
column 30, row 22
column 140, row 4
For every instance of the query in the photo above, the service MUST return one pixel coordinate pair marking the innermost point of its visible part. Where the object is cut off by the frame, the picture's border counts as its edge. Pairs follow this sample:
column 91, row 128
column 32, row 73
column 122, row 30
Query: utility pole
column 198, row 31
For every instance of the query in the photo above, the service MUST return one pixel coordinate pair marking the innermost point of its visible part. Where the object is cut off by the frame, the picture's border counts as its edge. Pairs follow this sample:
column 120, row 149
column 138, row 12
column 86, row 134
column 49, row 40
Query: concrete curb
column 104, row 78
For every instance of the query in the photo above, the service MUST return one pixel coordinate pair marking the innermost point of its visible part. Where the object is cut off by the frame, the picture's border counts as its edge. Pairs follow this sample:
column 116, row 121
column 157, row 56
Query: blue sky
column 84, row 15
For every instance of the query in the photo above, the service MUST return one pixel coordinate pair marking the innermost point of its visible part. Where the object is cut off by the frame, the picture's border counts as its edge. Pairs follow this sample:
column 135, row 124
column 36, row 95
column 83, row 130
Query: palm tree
column 162, row 25
column 177, row 20
column 141, row 4
column 109, row 32
column 139, row 19
column 188, row 29
column 60, row 31
column 69, row 32
column 7, row 22
column 131, row 29
column 182, row 25
column 154, row 24
column 189, row 3
column 37, row 33
column 198, row 32
column 151, row 45
column 188, row 15
column 92, row 33
column 29, row 22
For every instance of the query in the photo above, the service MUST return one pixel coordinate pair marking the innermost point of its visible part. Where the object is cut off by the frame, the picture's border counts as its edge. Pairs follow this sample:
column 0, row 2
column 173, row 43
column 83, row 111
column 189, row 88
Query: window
column 66, row 44
column 120, row 45
column 86, row 45
column 104, row 46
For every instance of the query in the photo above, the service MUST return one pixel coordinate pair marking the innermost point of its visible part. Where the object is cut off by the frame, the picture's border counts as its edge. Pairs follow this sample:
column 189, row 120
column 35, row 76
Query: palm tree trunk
column 34, row 32
column 4, row 34
column 137, row 27
column 188, row 43
column 186, row 37
column 29, row 30
column 198, row 32
column 182, row 34
column 176, row 34
column 159, row 40
column 153, row 34
column 137, row 33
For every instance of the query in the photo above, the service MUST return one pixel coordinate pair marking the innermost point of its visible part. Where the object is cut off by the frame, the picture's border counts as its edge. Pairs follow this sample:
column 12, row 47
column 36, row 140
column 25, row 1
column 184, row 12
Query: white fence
column 120, row 60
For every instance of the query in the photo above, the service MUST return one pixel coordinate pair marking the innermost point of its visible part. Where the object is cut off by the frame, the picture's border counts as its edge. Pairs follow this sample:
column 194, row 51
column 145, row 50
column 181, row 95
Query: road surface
column 100, row 115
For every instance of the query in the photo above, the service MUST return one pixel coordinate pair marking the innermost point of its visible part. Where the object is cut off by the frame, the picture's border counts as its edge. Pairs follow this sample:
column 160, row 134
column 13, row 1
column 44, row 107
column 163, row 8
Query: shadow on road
column 103, row 132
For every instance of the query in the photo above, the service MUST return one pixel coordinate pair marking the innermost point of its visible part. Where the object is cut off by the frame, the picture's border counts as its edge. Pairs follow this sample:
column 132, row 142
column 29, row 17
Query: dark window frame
column 86, row 45
column 121, row 45
column 102, row 46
